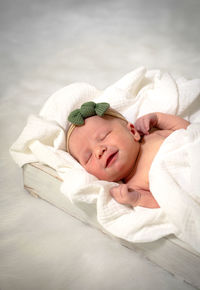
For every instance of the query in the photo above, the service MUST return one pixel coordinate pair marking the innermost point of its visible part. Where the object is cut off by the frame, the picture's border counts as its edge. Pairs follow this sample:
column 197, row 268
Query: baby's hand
column 144, row 124
column 126, row 196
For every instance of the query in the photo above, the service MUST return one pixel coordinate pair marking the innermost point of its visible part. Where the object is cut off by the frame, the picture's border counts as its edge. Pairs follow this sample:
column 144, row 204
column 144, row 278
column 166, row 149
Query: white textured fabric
column 175, row 182
column 138, row 92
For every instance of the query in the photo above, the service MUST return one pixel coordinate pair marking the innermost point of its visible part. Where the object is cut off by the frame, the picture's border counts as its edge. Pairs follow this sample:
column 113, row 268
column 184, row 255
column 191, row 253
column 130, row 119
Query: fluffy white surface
column 44, row 46
column 137, row 93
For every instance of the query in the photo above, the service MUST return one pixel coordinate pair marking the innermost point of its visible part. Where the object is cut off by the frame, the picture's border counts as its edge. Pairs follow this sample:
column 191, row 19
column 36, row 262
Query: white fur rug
column 46, row 45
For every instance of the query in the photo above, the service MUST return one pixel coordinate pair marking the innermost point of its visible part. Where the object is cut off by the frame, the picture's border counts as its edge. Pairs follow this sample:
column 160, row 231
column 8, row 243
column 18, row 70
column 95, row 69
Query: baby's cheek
column 108, row 174
column 94, row 170
column 101, row 174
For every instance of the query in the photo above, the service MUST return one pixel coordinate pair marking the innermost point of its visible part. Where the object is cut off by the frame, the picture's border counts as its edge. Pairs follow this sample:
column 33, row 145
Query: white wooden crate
column 169, row 253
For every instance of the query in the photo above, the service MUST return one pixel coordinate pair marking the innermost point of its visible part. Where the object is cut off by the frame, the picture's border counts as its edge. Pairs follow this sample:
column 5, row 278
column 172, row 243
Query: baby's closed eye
column 104, row 135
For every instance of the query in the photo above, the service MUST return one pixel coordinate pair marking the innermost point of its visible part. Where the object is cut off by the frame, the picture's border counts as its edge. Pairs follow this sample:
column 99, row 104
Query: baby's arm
column 128, row 196
column 161, row 121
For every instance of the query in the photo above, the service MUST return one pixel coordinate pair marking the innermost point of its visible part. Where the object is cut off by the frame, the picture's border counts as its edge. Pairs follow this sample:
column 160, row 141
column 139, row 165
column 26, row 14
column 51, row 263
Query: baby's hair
column 109, row 112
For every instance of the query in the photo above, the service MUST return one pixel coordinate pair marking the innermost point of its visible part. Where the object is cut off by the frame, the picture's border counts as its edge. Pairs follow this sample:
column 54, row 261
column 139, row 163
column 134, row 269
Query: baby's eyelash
column 105, row 135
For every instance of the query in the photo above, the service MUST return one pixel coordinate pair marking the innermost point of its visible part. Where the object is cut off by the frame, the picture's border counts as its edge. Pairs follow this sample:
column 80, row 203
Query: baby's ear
column 135, row 133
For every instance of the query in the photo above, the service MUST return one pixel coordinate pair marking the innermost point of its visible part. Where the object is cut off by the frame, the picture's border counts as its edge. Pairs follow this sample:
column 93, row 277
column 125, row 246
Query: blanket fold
column 137, row 93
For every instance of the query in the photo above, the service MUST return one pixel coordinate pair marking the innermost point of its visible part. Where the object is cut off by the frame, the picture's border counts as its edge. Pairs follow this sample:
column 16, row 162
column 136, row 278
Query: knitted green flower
column 89, row 109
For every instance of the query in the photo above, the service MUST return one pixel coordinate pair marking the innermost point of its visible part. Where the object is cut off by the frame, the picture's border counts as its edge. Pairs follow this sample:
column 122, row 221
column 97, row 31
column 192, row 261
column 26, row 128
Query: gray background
column 45, row 45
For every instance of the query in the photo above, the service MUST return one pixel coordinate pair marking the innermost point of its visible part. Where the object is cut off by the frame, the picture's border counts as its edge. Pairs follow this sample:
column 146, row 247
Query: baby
column 112, row 149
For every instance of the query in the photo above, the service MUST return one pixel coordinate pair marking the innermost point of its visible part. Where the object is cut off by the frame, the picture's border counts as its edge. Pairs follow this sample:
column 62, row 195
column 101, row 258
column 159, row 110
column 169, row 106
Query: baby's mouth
column 111, row 159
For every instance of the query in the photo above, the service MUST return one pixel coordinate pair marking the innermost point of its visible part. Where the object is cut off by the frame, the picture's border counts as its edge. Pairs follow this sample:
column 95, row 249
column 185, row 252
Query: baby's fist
column 123, row 195
column 144, row 124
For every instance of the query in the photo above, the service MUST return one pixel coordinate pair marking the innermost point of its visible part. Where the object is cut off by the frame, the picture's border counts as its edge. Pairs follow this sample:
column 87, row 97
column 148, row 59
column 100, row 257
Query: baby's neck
column 132, row 172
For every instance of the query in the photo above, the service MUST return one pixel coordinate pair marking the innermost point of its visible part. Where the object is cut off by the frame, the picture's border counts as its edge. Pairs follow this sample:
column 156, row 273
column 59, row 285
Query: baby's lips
column 109, row 158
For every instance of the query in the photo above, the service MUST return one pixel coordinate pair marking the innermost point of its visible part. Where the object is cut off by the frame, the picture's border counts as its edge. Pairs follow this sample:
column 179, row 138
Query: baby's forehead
column 95, row 123
column 101, row 122
column 90, row 129
column 93, row 126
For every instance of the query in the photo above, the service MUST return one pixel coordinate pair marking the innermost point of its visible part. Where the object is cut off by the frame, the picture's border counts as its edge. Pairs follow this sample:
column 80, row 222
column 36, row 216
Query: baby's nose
column 99, row 151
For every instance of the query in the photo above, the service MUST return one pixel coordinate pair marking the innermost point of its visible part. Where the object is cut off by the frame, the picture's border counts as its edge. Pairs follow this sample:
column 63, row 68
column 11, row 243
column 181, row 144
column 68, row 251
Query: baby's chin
column 121, row 171
column 108, row 178
column 114, row 178
column 124, row 175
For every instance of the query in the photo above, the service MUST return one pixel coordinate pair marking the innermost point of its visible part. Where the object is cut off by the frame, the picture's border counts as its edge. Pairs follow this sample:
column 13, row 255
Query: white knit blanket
column 174, row 173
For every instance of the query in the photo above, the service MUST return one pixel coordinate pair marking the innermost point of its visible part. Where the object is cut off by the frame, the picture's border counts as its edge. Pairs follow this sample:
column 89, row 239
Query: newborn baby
column 112, row 149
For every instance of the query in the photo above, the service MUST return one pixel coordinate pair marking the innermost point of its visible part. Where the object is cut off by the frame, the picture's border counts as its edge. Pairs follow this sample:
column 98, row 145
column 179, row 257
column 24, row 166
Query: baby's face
column 105, row 147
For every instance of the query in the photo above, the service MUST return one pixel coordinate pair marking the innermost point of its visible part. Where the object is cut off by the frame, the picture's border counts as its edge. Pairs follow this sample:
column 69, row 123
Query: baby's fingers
column 119, row 192
column 142, row 125
column 124, row 195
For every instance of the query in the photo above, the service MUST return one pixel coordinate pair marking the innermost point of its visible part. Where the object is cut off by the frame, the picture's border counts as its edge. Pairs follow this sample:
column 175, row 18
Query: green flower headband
column 88, row 109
